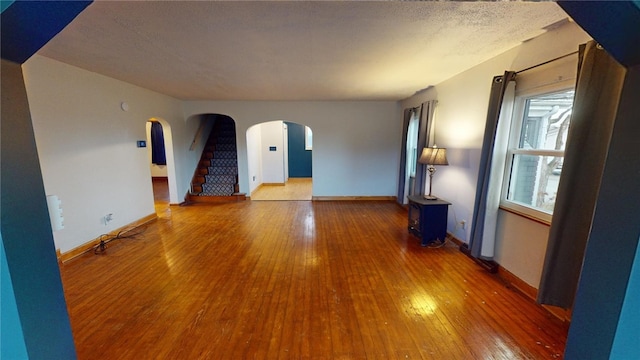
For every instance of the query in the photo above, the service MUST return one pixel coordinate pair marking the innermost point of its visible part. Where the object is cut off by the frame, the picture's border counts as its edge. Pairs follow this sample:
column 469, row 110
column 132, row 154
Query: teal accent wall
column 34, row 323
column 625, row 343
column 5, row 4
column 26, row 26
column 11, row 340
column 606, row 310
column 606, row 291
column 613, row 24
column 25, row 227
column 299, row 158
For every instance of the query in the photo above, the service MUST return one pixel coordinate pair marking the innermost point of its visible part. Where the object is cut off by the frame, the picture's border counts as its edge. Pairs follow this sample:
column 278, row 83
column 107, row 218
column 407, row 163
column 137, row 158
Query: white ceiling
column 293, row 50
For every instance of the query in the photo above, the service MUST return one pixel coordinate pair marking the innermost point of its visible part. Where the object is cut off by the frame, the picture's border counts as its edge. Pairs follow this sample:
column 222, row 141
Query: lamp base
column 430, row 197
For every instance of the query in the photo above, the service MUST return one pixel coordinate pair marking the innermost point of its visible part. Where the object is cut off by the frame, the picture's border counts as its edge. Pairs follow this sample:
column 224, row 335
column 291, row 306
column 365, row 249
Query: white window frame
column 512, row 150
column 308, row 138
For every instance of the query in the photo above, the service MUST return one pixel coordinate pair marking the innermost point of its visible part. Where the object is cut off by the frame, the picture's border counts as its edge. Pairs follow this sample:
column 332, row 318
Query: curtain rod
column 546, row 62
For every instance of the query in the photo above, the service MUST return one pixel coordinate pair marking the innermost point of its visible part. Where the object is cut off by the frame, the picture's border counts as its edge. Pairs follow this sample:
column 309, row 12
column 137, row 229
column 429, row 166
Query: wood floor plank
column 292, row 189
column 296, row 280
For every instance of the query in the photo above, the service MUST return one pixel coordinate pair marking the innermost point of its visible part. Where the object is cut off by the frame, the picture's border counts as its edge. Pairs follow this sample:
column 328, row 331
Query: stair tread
column 217, row 171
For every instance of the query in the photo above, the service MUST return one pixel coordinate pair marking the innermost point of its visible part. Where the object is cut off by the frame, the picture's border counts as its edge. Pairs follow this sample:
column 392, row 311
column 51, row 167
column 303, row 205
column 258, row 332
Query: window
column 412, row 144
column 536, row 151
column 308, row 138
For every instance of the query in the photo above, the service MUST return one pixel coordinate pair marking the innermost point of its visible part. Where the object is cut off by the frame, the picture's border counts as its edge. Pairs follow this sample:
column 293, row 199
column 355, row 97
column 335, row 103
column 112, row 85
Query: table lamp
column 433, row 156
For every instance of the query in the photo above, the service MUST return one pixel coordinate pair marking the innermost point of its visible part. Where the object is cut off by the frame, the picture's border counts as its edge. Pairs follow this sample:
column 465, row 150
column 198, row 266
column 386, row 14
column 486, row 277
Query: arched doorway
column 216, row 174
column 161, row 163
column 280, row 159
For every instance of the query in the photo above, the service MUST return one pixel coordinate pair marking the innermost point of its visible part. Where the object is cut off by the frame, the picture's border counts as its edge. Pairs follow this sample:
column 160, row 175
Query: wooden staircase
column 216, row 177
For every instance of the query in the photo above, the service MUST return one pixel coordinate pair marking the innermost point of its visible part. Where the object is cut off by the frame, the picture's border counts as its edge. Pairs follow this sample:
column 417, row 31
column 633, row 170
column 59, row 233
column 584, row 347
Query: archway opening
column 214, row 150
column 161, row 163
column 280, row 161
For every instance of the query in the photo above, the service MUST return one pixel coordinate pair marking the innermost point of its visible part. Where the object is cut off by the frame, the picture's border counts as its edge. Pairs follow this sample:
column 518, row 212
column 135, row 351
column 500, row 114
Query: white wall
column 87, row 146
column 459, row 126
column 356, row 143
column 254, row 156
column 89, row 159
column 198, row 129
column 272, row 161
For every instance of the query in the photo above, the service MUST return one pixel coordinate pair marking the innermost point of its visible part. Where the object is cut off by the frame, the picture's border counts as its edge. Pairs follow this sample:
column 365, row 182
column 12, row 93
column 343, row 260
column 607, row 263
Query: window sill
column 525, row 215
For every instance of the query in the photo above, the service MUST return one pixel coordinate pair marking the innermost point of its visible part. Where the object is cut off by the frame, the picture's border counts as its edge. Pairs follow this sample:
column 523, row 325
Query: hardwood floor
column 294, row 189
column 295, row 280
column 160, row 190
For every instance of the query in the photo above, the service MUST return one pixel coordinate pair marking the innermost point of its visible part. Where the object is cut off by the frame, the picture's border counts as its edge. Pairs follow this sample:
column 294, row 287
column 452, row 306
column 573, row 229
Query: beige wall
column 356, row 144
column 459, row 126
column 87, row 146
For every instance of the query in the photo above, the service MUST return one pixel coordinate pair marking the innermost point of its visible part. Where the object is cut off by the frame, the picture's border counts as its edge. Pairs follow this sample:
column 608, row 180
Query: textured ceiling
column 293, row 50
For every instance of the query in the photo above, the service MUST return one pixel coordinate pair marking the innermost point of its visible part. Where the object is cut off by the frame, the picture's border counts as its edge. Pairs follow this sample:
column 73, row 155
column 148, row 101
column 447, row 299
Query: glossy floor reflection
column 296, row 280
column 293, row 189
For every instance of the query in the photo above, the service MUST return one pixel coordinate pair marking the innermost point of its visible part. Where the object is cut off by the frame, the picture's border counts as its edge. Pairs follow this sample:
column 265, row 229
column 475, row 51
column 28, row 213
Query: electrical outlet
column 107, row 218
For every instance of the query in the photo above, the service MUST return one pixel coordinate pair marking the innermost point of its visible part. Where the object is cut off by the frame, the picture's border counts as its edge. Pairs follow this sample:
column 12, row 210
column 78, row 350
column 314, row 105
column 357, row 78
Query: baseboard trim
column 272, row 184
column 196, row 199
column 454, row 239
column 515, row 283
column 489, row 265
column 353, row 198
column 254, row 190
column 73, row 253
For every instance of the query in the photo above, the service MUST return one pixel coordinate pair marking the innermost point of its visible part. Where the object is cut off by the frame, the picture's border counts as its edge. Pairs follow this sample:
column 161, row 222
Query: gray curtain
column 600, row 80
column 403, row 156
column 424, row 128
column 499, row 86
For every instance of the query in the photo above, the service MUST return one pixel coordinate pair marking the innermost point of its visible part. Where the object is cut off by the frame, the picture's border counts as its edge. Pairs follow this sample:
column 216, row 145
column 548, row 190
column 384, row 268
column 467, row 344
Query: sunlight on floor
column 161, row 195
column 293, row 189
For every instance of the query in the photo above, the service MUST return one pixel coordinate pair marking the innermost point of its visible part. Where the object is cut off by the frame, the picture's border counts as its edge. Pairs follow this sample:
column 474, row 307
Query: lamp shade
column 434, row 156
